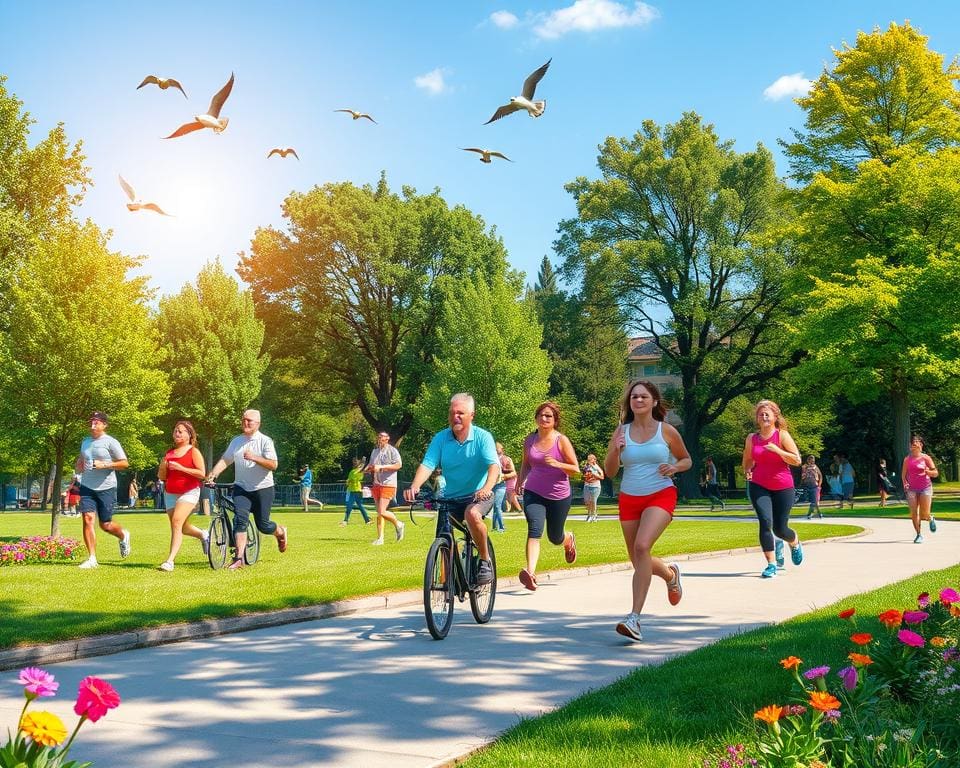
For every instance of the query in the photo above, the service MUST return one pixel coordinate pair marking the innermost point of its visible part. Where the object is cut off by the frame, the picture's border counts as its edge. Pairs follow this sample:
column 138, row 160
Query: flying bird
column 283, row 152
column 136, row 205
column 356, row 115
column 525, row 100
column 163, row 82
column 212, row 118
column 485, row 154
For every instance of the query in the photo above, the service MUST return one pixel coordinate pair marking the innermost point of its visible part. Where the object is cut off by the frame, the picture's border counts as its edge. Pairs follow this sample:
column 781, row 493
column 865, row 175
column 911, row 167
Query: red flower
column 862, row 638
column 847, row 613
column 95, row 698
column 891, row 619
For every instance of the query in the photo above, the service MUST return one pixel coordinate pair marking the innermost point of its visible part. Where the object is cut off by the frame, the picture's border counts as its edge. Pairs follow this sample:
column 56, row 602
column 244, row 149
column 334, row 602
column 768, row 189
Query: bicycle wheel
column 482, row 596
column 252, row 553
column 219, row 542
column 438, row 589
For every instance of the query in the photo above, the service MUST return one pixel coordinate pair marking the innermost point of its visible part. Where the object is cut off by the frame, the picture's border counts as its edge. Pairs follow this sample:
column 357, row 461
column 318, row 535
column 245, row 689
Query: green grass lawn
column 675, row 714
column 43, row 603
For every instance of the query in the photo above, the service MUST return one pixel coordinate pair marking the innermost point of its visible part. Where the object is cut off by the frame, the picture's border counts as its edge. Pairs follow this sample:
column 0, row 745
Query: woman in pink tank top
column 767, row 457
column 917, row 470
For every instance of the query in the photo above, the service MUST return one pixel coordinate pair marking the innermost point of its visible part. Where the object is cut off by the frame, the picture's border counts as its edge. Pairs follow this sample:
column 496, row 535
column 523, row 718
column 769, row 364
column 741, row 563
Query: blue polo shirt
column 464, row 464
column 307, row 480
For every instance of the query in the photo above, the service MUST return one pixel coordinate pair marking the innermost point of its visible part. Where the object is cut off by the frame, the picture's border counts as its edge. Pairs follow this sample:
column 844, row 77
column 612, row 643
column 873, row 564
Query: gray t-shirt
column 249, row 475
column 104, row 448
column 382, row 456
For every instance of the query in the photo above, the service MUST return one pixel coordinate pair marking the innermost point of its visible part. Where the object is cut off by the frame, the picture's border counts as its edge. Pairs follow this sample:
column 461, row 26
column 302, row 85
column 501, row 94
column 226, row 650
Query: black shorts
column 101, row 502
column 457, row 508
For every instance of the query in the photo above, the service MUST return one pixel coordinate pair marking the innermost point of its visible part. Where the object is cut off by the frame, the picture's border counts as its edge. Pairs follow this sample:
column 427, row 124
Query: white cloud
column 432, row 82
column 593, row 15
column 787, row 85
column 504, row 19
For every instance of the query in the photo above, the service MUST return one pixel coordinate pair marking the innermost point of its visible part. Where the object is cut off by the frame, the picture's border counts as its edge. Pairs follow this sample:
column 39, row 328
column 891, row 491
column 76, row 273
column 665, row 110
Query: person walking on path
column 884, row 486
column 811, row 478
column 592, row 477
column 651, row 452
column 100, row 455
column 182, row 470
column 768, row 455
column 133, row 493
column 468, row 456
column 305, row 478
column 500, row 489
column 354, row 496
column 73, row 497
column 548, row 462
column 510, row 475
column 916, row 472
column 847, row 480
column 384, row 463
column 713, row 487
column 254, row 457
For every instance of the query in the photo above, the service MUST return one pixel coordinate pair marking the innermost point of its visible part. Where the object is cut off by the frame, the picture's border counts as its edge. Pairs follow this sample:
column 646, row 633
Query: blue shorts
column 101, row 502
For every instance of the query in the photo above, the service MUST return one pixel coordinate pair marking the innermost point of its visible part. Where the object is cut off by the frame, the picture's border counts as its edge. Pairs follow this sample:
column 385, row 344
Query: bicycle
column 451, row 569
column 221, row 530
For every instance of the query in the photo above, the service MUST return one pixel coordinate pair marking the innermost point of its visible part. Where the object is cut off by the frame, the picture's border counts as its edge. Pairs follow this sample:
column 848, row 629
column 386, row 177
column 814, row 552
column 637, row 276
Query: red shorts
column 632, row 507
column 384, row 491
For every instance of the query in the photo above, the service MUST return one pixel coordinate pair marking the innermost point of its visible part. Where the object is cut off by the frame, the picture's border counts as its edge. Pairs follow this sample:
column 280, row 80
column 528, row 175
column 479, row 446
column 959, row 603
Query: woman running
column 182, row 470
column 917, row 470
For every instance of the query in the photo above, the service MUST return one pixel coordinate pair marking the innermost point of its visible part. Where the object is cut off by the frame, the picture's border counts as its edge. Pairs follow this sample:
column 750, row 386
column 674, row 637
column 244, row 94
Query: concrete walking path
column 375, row 690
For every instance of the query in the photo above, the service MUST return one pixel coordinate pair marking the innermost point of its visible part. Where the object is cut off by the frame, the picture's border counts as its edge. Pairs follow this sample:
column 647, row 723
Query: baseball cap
column 98, row 416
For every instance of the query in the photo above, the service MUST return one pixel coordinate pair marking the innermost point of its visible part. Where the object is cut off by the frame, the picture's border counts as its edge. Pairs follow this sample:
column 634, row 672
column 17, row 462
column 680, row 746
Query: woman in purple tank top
column 548, row 462
column 767, row 457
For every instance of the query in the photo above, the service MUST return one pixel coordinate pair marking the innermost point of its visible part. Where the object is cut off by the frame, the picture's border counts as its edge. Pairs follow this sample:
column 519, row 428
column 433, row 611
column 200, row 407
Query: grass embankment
column 44, row 603
column 675, row 714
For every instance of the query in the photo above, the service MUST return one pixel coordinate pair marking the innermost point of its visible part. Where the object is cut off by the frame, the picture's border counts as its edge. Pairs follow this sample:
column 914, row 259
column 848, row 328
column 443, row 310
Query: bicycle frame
column 445, row 525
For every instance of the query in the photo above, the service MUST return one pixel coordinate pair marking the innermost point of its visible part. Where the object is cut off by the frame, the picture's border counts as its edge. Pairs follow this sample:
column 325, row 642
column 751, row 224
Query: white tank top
column 641, row 462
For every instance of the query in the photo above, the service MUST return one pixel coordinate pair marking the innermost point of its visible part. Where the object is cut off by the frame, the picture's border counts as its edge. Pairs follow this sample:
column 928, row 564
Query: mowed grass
column 676, row 714
column 324, row 562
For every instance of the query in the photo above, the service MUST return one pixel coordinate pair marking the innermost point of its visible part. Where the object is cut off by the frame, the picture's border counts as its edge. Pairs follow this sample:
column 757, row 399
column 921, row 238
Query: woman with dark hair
column 182, row 471
column 884, row 486
column 548, row 462
column 651, row 453
column 768, row 455
column 810, row 480
column 916, row 472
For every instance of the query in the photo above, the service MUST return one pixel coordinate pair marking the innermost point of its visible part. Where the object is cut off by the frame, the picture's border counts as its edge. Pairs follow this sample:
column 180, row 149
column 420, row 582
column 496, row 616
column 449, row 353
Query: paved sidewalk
column 376, row 690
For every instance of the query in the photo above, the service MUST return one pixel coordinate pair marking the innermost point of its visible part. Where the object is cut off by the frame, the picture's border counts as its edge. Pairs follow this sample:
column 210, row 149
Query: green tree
column 213, row 343
column 546, row 278
column 83, row 340
column 356, row 287
column 678, row 227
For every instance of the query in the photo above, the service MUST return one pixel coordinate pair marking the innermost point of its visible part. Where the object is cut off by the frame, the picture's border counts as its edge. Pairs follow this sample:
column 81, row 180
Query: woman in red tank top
column 182, row 470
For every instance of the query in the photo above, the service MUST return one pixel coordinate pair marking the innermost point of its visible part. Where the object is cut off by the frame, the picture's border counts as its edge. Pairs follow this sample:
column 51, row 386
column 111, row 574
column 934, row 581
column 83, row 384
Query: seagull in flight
column 525, row 100
column 163, row 82
column 212, row 118
column 356, row 115
column 485, row 154
column 283, row 152
column 136, row 205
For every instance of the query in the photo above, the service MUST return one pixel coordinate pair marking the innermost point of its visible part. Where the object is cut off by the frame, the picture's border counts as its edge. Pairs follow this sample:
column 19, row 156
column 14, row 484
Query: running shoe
column 343, row 523
column 400, row 527
column 282, row 538
column 570, row 550
column 205, row 543
column 528, row 580
column 919, row 539
column 166, row 565
column 778, row 554
column 236, row 565
column 90, row 562
column 378, row 542
column 933, row 524
column 674, row 587
column 770, row 571
column 630, row 627
column 125, row 544
column 796, row 553
column 484, row 572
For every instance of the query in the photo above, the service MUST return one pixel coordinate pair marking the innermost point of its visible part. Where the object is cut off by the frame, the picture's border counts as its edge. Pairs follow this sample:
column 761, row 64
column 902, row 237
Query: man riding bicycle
column 468, row 456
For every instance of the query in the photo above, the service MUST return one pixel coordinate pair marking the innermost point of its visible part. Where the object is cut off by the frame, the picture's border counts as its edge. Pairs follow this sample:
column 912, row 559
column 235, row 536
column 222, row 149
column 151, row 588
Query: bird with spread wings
column 212, row 117
column 525, row 99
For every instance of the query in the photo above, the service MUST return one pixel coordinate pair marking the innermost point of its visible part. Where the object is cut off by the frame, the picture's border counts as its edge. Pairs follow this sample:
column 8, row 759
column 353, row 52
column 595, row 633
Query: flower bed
column 38, row 549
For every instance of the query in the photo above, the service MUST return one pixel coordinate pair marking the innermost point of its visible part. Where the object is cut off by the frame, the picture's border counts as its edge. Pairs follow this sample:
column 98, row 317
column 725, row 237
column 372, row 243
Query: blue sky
column 431, row 73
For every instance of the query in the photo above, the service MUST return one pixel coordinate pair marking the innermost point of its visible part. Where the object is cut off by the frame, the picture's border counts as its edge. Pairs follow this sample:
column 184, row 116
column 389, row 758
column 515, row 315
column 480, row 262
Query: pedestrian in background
column 354, row 496
column 811, row 478
column 592, row 478
column 383, row 464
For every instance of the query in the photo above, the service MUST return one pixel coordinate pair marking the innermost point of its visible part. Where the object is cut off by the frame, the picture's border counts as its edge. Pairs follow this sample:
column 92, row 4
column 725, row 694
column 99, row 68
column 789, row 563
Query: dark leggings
column 257, row 502
column 773, row 511
column 538, row 509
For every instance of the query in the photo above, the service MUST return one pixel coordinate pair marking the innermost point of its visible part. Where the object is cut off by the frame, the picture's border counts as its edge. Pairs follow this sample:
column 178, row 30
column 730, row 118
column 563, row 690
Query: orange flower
column 860, row 659
column 955, row 609
column 891, row 619
column 823, row 701
column 847, row 613
column 769, row 714
column 938, row 642
column 862, row 638
column 791, row 662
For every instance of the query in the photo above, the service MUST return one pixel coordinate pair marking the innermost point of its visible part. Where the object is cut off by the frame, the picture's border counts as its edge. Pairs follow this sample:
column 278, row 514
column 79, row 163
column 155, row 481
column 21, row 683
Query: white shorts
column 189, row 497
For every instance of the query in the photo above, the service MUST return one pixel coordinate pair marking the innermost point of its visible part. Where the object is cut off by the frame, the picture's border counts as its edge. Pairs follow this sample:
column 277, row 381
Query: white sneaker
column 630, row 627
column 90, row 562
column 166, row 565
column 205, row 543
column 125, row 544
column 399, row 531
column 378, row 542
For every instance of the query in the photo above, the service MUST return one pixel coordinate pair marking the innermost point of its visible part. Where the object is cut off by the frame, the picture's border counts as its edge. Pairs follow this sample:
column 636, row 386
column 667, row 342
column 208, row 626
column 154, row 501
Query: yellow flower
column 44, row 728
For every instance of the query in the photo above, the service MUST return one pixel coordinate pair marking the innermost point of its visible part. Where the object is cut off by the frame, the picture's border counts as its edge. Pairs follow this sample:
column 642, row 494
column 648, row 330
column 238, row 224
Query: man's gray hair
column 464, row 397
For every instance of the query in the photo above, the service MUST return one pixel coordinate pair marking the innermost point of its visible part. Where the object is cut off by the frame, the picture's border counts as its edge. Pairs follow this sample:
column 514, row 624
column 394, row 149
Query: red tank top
column 180, row 482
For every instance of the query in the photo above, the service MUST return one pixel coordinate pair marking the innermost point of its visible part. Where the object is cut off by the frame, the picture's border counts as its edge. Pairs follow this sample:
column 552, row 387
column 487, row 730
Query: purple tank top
column 770, row 471
column 917, row 479
column 544, row 480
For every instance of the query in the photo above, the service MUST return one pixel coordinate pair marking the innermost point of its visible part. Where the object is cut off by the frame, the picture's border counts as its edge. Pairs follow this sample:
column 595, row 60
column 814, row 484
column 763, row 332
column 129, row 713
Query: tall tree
column 546, row 278
column 677, row 225
column 83, row 340
column 879, row 223
column 213, row 343
column 358, row 283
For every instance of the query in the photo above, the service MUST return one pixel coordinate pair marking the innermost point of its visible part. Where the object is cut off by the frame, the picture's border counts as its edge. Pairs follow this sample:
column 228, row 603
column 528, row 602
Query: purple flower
column 36, row 682
column 796, row 709
column 912, row 639
column 831, row 715
column 815, row 672
column 923, row 599
column 915, row 617
column 950, row 654
column 849, row 677
column 949, row 596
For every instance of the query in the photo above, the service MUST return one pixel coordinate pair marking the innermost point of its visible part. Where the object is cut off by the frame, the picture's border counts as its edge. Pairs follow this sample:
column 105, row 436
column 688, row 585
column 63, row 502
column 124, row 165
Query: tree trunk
column 900, row 405
column 57, row 482
column 691, row 430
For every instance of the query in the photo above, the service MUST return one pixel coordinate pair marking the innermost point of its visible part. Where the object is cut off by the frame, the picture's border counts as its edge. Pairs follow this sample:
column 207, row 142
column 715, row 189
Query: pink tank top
column 544, row 480
column 770, row 471
column 917, row 479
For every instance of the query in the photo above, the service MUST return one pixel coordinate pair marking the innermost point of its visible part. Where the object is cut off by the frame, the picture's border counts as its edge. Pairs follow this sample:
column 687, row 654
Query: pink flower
column 915, row 617
column 912, row 639
column 95, row 698
column 949, row 596
column 813, row 674
column 923, row 599
column 36, row 682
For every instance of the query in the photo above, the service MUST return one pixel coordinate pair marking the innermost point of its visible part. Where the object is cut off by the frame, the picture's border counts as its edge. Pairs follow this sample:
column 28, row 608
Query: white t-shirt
column 103, row 448
column 383, row 457
column 249, row 475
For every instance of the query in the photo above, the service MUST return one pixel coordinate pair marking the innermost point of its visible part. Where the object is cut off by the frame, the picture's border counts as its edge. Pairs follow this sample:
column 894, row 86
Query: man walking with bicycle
column 471, row 467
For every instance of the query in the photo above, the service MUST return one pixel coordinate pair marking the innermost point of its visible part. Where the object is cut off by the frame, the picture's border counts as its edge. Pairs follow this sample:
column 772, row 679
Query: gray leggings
column 538, row 509
column 773, row 511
